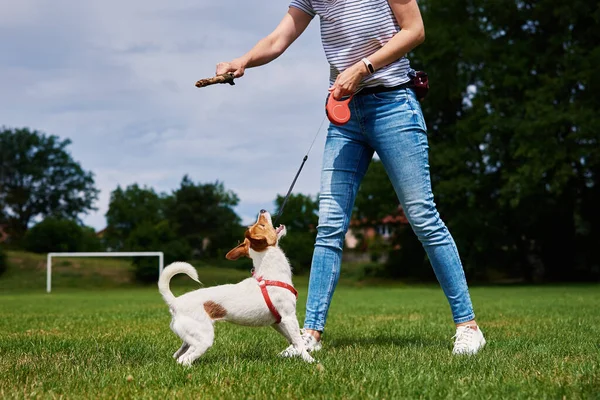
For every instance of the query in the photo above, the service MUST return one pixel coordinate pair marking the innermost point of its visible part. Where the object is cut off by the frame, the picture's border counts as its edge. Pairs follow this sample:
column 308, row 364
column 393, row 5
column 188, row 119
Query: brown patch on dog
column 214, row 310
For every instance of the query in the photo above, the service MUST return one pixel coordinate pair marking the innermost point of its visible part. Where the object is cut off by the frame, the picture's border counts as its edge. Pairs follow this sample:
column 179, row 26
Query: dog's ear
column 241, row 250
column 282, row 232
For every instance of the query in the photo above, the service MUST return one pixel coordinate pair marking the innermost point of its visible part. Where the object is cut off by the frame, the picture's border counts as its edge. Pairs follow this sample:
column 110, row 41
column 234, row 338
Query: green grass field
column 382, row 342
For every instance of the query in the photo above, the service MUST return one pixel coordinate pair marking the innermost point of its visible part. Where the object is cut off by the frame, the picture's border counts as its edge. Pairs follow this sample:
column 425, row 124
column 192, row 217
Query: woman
column 366, row 43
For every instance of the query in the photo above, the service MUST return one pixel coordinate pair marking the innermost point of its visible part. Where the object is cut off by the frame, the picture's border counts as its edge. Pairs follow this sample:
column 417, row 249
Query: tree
column 56, row 234
column 199, row 216
column 376, row 197
column 203, row 216
column 300, row 218
column 3, row 263
column 377, row 201
column 513, row 120
column 155, row 237
column 39, row 178
column 130, row 208
column 300, row 212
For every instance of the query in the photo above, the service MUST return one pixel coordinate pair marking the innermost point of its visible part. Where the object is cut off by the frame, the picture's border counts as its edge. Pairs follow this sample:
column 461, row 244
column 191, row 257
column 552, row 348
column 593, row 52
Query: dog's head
column 259, row 237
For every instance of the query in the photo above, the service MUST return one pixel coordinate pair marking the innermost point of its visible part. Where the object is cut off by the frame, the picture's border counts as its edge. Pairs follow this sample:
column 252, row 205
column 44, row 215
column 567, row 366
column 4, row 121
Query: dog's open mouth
column 279, row 229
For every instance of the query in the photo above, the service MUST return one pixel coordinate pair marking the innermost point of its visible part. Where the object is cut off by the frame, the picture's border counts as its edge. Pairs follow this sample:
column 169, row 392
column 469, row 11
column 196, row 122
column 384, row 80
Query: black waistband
column 379, row 89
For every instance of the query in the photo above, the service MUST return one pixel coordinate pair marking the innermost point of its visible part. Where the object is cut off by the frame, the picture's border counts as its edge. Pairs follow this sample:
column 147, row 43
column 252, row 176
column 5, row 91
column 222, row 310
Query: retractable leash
column 287, row 196
column 338, row 113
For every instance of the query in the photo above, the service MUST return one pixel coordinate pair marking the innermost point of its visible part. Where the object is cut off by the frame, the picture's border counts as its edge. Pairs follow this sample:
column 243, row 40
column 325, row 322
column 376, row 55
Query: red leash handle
column 338, row 111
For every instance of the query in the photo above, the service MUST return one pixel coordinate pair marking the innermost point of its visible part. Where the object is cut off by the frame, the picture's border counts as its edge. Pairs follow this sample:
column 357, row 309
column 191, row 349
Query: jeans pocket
column 393, row 96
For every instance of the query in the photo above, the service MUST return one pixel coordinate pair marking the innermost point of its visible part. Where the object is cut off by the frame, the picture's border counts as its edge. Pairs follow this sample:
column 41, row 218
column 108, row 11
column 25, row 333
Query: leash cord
column 287, row 196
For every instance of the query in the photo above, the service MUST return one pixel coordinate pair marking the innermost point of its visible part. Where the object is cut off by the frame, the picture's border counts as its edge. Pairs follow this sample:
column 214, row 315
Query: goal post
column 158, row 254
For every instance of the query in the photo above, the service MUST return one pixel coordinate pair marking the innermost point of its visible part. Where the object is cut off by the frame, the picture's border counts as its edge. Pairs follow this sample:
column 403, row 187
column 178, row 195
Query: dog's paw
column 307, row 357
column 185, row 361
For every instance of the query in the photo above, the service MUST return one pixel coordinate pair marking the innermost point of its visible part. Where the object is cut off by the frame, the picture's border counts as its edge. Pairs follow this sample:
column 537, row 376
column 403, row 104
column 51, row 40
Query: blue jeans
column 391, row 124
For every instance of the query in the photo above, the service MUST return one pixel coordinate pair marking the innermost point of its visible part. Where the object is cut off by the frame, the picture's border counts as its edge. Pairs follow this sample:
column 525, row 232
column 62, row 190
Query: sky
column 117, row 79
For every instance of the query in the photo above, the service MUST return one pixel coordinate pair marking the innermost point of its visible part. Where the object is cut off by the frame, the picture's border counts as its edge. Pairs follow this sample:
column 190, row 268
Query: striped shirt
column 354, row 29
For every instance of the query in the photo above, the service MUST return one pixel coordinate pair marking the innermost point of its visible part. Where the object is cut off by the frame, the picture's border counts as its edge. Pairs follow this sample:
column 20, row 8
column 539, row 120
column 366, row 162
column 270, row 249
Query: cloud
column 117, row 78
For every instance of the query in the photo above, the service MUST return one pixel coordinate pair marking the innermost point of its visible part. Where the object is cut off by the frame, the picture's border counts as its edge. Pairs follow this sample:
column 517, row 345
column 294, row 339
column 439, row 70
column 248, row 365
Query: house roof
column 395, row 218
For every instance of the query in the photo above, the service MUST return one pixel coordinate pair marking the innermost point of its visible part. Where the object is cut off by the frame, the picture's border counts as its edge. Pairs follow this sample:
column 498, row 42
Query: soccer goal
column 158, row 254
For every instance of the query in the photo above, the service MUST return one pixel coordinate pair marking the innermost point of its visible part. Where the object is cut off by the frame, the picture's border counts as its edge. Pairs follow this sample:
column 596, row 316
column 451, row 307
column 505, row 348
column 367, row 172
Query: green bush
column 299, row 247
column 159, row 237
column 409, row 261
column 55, row 235
column 3, row 265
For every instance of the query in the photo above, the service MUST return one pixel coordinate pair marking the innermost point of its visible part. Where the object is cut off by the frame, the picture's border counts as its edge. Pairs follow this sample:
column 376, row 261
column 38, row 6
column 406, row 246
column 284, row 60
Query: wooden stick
column 223, row 78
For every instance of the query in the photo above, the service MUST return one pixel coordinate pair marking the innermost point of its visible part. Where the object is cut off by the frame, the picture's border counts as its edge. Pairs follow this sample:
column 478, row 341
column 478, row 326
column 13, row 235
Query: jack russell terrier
column 268, row 298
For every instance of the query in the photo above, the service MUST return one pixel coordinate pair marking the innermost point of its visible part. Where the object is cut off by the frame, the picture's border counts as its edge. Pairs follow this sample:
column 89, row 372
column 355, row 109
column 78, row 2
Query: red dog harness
column 263, row 288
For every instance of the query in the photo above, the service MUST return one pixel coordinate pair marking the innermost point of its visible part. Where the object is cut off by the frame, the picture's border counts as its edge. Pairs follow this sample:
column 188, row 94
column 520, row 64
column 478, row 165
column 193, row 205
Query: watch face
column 369, row 65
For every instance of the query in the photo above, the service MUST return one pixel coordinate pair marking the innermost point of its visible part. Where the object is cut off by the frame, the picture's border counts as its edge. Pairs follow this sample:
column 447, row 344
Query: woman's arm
column 412, row 34
column 269, row 48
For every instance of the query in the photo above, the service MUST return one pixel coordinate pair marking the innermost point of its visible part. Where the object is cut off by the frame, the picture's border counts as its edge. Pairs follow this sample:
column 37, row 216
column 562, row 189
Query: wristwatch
column 369, row 65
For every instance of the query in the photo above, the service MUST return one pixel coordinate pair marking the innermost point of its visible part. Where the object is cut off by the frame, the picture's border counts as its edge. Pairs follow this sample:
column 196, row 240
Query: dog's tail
column 169, row 272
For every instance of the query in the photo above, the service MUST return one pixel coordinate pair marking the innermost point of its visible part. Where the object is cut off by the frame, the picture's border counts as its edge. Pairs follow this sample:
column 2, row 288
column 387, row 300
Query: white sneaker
column 469, row 340
column 310, row 342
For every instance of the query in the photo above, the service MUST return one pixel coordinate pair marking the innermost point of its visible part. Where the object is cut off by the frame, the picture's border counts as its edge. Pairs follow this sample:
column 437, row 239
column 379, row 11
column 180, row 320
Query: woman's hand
column 347, row 82
column 236, row 66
